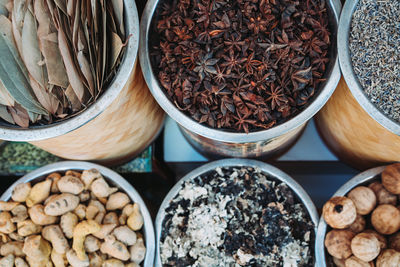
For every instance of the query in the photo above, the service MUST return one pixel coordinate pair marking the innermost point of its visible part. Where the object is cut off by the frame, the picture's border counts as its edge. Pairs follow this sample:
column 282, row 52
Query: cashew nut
column 70, row 184
column 20, row 262
column 59, row 260
column 7, row 261
column 68, row 222
column 6, row 225
column 80, row 211
column 135, row 219
column 95, row 260
column 61, row 204
column 75, row 261
column 126, row 211
column 138, row 251
column 111, row 217
column 37, row 215
column 20, row 213
column 36, row 248
column 4, row 238
column 21, row 192
column 101, row 189
column 114, row 248
column 113, row 263
column 54, row 234
column 88, row 176
column 54, row 177
column 73, row 173
column 28, row 227
column 38, row 193
column 117, row 200
column 132, row 264
column 13, row 247
column 94, row 208
column 7, row 205
column 84, row 196
column 81, row 230
column 16, row 237
column 125, row 235
column 92, row 244
column 105, row 230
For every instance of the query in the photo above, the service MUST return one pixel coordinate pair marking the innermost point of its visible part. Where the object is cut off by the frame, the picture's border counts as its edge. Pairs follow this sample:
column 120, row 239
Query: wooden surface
column 354, row 136
column 120, row 132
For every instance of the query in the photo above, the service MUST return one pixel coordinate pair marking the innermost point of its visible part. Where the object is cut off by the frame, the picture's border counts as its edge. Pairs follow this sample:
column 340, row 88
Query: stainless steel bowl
column 265, row 168
column 349, row 74
column 235, row 144
column 113, row 178
column 360, row 179
column 35, row 133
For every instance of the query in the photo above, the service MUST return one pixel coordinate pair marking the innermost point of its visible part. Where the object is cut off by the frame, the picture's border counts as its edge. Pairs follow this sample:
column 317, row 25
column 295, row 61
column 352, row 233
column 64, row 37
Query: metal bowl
column 113, row 178
column 40, row 132
column 365, row 177
column 349, row 74
column 230, row 143
column 266, row 168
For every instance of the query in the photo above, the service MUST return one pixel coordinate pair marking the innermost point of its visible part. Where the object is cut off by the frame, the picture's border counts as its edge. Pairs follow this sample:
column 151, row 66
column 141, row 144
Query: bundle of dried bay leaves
column 56, row 56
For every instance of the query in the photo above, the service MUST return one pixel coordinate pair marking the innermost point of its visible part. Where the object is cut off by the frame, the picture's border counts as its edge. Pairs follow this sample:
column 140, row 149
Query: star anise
column 276, row 96
column 257, row 24
column 205, row 65
column 234, row 43
column 242, row 123
column 233, row 62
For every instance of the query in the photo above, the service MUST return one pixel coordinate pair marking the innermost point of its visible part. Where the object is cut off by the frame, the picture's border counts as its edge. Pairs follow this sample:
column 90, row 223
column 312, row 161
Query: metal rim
column 364, row 177
column 266, row 168
column 36, row 133
column 221, row 135
column 349, row 74
column 114, row 177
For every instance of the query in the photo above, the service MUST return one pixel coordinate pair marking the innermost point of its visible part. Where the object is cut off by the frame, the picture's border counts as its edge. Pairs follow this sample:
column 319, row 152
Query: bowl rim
column 359, row 179
column 108, row 174
column 349, row 74
column 222, row 135
column 41, row 132
column 235, row 162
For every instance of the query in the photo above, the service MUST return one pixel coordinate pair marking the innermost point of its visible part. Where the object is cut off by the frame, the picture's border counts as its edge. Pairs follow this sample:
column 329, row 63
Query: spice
column 374, row 48
column 240, row 65
column 236, row 216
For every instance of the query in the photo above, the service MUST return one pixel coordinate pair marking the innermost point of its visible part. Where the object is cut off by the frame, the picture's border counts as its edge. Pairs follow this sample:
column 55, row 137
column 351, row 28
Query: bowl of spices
column 76, row 212
column 360, row 224
column 241, row 78
column 360, row 123
column 236, row 212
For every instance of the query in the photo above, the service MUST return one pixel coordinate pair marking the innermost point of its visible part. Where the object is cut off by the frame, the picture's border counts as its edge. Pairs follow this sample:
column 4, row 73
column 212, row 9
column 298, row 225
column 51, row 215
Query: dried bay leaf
column 19, row 115
column 72, row 72
column 118, row 6
column 13, row 73
column 104, row 44
column 46, row 98
column 5, row 115
column 30, row 50
column 116, row 48
column 17, row 18
column 56, row 71
column 43, row 16
column 61, row 5
column 73, row 99
column 5, row 98
column 85, row 68
column 3, row 10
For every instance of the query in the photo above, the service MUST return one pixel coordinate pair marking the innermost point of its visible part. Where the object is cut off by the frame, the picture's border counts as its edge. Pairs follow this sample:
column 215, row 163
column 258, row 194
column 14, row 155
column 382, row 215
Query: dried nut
column 80, row 211
column 55, row 235
column 382, row 240
column 68, row 222
column 135, row 220
column 388, row 258
column 81, row 230
column 386, row 219
column 138, row 251
column 28, row 227
column 101, row 189
column 113, row 263
column 105, row 230
column 73, row 173
column 391, row 178
column 75, row 261
column 125, row 235
column 16, row 237
column 61, row 204
column 38, row 193
column 94, row 208
column 353, row 261
column 339, row 212
column 95, row 260
column 363, row 198
column 6, row 225
column 338, row 243
column 54, row 177
column 20, row 213
column 59, row 260
column 7, row 205
column 358, row 225
column 21, row 192
column 126, row 211
column 117, row 201
column 92, row 244
column 7, row 261
column 394, row 242
column 36, row 247
column 20, row 262
column 84, row 196
column 114, row 248
column 37, row 215
column 13, row 247
column 134, row 264
column 70, row 184
column 111, row 217
column 365, row 246
column 88, row 176
column 382, row 195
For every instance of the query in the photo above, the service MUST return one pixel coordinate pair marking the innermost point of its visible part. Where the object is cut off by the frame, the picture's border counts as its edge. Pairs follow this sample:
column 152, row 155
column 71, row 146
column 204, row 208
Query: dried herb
column 240, row 65
column 54, row 56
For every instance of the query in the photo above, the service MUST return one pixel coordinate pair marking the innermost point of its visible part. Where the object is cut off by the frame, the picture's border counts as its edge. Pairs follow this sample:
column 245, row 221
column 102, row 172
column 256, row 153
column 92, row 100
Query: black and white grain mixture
column 375, row 52
column 236, row 217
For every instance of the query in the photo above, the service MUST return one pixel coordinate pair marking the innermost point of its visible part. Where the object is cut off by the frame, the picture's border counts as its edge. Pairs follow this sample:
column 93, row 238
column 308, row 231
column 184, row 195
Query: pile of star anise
column 243, row 65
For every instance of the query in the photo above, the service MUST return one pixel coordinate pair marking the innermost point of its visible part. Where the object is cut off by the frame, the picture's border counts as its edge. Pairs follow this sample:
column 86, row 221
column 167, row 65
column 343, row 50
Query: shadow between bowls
column 235, row 162
column 114, row 178
column 360, row 179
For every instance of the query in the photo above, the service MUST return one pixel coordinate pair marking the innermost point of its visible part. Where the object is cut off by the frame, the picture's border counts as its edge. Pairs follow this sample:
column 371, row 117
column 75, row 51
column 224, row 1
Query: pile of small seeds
column 374, row 47
column 236, row 217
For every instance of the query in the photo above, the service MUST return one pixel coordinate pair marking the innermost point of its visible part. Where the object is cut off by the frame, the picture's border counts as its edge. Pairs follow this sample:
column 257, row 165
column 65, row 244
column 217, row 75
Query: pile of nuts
column 366, row 223
column 72, row 220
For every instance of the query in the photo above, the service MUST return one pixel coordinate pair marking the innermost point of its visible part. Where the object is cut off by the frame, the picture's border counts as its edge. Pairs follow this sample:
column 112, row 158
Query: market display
column 236, row 216
column 57, row 57
column 73, row 218
column 366, row 223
